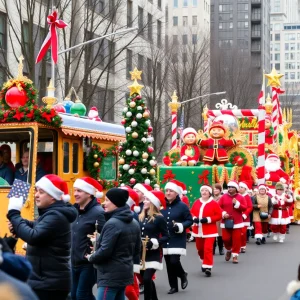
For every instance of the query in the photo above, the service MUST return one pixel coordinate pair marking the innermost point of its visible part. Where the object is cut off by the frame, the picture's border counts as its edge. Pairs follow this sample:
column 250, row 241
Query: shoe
column 141, row 288
column 258, row 241
column 263, row 240
column 203, row 269
column 269, row 234
column 228, row 255
column 243, row 250
column 172, row 291
column 221, row 251
column 275, row 237
column 184, row 281
column 208, row 272
column 281, row 241
column 287, row 231
column 235, row 260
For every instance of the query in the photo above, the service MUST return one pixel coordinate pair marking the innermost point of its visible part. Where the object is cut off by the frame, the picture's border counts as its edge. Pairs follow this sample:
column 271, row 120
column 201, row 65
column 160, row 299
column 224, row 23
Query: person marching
column 233, row 206
column 246, row 214
column 280, row 215
column 141, row 189
column 178, row 218
column 90, row 215
column 154, row 229
column 262, row 211
column 217, row 194
column 206, row 212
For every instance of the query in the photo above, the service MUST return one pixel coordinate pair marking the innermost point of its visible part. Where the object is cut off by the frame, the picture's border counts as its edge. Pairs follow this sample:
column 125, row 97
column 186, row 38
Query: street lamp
column 198, row 97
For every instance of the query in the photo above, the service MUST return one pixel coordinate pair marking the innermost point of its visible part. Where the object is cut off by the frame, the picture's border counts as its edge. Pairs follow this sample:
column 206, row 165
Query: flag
column 18, row 189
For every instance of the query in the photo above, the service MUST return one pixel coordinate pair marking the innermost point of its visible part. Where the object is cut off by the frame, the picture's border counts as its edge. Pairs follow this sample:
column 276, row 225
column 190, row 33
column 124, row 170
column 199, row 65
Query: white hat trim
column 174, row 187
column 206, row 187
column 130, row 202
column 153, row 199
column 86, row 187
column 243, row 185
column 141, row 188
column 46, row 185
column 234, row 184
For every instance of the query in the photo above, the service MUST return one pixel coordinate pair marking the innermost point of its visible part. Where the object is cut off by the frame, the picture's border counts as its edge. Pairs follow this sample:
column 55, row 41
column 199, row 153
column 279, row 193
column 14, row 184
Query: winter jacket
column 293, row 290
column 118, row 244
column 48, row 245
column 84, row 225
column 23, row 175
column 177, row 212
column 6, row 173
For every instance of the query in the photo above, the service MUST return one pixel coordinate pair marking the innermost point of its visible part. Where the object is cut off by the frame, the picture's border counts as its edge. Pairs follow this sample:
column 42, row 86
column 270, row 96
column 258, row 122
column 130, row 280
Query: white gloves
column 267, row 176
column 15, row 203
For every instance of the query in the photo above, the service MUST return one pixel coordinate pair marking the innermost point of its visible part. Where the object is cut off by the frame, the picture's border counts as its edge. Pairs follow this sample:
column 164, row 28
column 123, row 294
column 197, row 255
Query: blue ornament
column 67, row 104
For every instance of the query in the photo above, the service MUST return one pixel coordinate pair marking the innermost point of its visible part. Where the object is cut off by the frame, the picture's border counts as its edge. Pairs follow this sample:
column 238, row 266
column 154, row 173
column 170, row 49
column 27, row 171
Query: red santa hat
column 94, row 108
column 157, row 198
column 268, row 117
column 54, row 186
column 218, row 124
column 233, row 183
column 273, row 155
column 262, row 186
column 133, row 201
column 244, row 184
column 143, row 187
column 188, row 130
column 174, row 185
column 90, row 186
column 209, row 188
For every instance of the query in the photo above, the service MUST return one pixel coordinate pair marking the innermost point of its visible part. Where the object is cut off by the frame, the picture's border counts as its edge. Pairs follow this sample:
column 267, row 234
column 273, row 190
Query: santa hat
column 262, row 186
column 143, row 187
column 209, row 188
column 157, row 198
column 188, row 131
column 183, row 187
column 218, row 124
column 243, row 184
column 268, row 117
column 54, row 186
column 233, row 183
column 90, row 186
column 174, row 185
column 133, row 199
column 94, row 108
column 272, row 155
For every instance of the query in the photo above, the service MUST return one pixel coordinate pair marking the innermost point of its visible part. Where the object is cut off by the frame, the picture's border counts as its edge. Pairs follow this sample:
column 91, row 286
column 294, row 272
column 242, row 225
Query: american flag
column 18, row 189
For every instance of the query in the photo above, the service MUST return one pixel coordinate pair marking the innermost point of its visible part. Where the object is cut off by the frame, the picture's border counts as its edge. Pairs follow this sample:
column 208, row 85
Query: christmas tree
column 136, row 161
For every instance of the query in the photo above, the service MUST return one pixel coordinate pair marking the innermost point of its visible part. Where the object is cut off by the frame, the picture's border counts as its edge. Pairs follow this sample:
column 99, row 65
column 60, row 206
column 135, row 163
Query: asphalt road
column 261, row 274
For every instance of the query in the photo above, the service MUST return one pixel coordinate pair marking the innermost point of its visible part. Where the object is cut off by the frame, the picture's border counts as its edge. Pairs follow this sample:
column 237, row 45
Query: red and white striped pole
column 174, row 105
column 261, row 145
column 275, row 112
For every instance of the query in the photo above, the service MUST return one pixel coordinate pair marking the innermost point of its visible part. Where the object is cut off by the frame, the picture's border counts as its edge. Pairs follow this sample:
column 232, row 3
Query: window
column 292, row 47
column 292, row 75
column 184, row 39
column 129, row 13
column 277, row 66
column 243, row 24
column 26, row 37
column 150, row 26
column 195, row 3
column 194, row 39
column 286, row 46
column 140, row 62
column 277, row 36
column 75, row 157
column 185, row 3
column 159, row 4
column 175, row 4
column 2, row 76
column 158, row 70
column 175, row 21
column 226, row 25
column 185, row 21
column 66, row 157
column 276, row 47
column 225, row 44
column 141, row 19
column 149, row 71
column 277, row 56
column 286, row 75
column 158, row 34
column 243, row 6
column 225, row 7
column 243, row 15
column 194, row 21
column 175, row 39
column 128, row 63
column 2, row 31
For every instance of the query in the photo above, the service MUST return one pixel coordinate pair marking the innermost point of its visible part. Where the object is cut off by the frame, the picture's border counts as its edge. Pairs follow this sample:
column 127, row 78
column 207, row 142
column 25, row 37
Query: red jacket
column 280, row 214
column 210, row 210
column 247, row 212
column 235, row 211
column 195, row 153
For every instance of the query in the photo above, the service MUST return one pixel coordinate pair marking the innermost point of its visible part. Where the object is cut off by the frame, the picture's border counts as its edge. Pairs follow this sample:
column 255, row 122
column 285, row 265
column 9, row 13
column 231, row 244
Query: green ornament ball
column 78, row 108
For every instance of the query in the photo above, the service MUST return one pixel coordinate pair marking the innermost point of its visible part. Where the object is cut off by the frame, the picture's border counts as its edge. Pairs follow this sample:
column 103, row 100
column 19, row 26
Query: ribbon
column 51, row 38
column 133, row 163
column 168, row 176
column 203, row 178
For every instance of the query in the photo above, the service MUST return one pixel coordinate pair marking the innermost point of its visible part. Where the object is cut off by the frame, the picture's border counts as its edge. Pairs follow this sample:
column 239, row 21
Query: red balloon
column 59, row 108
column 15, row 98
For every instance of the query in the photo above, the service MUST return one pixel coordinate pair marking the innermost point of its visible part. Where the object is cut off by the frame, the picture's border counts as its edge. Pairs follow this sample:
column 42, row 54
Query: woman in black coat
column 153, row 226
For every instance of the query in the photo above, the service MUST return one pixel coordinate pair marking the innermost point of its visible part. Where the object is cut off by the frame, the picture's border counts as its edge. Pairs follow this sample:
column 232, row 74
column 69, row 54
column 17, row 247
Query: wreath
column 94, row 161
column 238, row 159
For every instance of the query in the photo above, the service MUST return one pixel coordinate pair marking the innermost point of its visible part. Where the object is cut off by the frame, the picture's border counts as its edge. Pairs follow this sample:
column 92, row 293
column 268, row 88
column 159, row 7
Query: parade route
column 262, row 273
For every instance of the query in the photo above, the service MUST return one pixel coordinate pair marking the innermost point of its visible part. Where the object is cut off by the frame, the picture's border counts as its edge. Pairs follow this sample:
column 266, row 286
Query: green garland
column 96, row 156
column 233, row 159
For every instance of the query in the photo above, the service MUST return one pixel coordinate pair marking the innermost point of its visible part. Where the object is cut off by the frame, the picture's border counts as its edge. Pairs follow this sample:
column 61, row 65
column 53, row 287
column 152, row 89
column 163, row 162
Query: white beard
column 272, row 166
column 93, row 114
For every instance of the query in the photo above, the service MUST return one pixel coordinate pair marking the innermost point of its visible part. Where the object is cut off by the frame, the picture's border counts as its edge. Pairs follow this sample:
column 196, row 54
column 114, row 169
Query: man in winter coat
column 90, row 218
column 48, row 238
column 119, row 243
column 5, row 171
column 178, row 218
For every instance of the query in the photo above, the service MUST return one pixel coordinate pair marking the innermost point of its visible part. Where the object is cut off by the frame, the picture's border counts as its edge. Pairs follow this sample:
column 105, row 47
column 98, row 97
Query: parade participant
column 290, row 207
column 293, row 288
column 117, row 246
column 206, row 212
column 48, row 238
column 274, row 173
column 262, row 211
column 141, row 189
column 217, row 194
column 246, row 214
column 189, row 153
column 233, row 206
column 5, row 171
column 7, row 156
column 178, row 218
column 280, row 215
column 90, row 218
column 153, row 226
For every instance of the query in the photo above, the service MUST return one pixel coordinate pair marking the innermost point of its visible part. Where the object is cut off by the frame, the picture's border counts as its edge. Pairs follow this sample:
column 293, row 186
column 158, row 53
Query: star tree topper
column 135, row 87
column 274, row 78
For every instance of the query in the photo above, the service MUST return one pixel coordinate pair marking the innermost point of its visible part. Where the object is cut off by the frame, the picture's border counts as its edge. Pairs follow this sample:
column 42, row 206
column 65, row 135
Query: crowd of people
column 120, row 244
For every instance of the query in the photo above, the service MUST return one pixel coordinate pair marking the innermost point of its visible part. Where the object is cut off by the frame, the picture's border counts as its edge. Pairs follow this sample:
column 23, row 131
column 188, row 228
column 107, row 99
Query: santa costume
column 94, row 115
column 280, row 215
column 189, row 153
column 205, row 215
column 246, row 215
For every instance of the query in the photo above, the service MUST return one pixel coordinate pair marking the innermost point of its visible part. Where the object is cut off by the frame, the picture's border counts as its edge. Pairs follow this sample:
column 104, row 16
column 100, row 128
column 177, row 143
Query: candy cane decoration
column 261, row 146
column 174, row 105
column 275, row 114
column 235, row 112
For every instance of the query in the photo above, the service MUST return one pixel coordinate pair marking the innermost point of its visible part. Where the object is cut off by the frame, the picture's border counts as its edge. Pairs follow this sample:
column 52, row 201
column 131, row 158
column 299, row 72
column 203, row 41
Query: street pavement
column 261, row 274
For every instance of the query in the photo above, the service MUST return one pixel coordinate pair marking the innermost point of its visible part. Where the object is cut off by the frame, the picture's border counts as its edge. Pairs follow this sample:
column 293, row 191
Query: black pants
column 220, row 243
column 149, row 285
column 51, row 295
column 174, row 269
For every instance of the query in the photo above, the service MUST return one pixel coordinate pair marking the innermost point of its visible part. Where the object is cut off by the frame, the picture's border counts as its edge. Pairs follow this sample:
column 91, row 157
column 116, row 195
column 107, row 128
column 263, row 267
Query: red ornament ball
column 123, row 121
column 15, row 98
column 138, row 97
column 150, row 149
column 150, row 129
column 59, row 108
column 132, row 181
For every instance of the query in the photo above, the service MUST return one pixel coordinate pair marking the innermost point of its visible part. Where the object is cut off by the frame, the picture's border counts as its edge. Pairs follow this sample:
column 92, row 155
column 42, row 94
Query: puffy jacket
column 6, row 173
column 48, row 245
column 119, row 243
column 84, row 225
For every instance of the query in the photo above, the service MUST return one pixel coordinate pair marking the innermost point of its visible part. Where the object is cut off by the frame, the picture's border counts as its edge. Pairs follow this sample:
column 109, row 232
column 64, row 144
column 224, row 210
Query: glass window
column 185, row 21
column 277, row 47
column 66, row 168
column 286, row 75
column 150, row 23
column 158, row 34
column 184, row 39
column 277, row 56
column 128, row 63
column 194, row 39
column 175, row 39
column 141, row 19
column 277, row 66
column 129, row 13
column 195, row 3
column 75, row 157
column 194, row 22
column 175, row 21
column 286, row 56
column 277, row 36
column 185, row 3
column 286, row 46
column 292, row 75
column 175, row 3
column 292, row 46
column 2, row 31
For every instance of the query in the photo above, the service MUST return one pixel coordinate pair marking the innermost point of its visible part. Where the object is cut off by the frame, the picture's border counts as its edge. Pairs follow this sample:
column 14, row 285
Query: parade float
column 233, row 144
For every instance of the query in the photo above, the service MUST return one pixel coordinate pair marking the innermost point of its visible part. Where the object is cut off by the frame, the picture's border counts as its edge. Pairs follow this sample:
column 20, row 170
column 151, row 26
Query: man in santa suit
column 233, row 206
column 280, row 215
column 274, row 173
column 94, row 115
column 244, row 188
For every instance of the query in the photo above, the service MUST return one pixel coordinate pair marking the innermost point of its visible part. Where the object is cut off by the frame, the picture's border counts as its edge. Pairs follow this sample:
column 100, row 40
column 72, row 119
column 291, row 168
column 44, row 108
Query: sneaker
column 275, row 237
column 269, row 234
column 228, row 255
column 281, row 241
column 208, row 272
column 235, row 260
column 243, row 250
column 263, row 240
column 258, row 241
column 221, row 252
column 203, row 269
column 141, row 288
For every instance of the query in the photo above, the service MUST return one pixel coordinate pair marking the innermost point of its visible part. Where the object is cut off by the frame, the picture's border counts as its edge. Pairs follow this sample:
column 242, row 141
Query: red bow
column 203, row 178
column 168, row 176
column 133, row 163
column 51, row 38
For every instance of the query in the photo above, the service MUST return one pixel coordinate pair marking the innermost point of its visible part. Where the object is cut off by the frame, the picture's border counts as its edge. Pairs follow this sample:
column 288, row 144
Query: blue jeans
column 83, row 280
column 109, row 293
